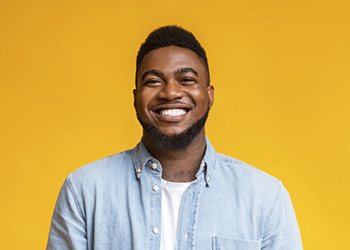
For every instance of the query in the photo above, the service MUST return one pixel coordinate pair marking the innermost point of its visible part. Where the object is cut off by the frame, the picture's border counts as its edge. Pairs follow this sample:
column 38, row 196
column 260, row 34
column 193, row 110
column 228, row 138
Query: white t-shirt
column 172, row 193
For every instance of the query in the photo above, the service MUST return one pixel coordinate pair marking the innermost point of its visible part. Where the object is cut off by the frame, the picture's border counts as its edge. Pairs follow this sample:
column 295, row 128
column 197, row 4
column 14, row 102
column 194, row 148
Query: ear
column 134, row 92
column 210, row 90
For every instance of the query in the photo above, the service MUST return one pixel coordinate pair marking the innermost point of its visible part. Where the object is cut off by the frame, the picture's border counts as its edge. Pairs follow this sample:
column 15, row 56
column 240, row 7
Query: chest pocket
column 220, row 243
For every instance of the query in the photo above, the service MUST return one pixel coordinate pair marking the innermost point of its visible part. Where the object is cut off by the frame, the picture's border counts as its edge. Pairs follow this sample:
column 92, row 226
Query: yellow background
column 281, row 76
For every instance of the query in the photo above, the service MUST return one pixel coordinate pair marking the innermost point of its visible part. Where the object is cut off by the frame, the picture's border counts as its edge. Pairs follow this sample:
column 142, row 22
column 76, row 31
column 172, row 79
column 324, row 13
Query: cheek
column 143, row 100
column 201, row 99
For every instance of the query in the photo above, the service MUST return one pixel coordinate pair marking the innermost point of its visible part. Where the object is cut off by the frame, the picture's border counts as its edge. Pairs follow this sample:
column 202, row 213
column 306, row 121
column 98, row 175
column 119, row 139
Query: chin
column 166, row 139
column 171, row 132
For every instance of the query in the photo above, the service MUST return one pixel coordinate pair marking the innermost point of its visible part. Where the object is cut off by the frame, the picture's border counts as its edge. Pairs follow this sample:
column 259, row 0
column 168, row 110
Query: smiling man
column 172, row 191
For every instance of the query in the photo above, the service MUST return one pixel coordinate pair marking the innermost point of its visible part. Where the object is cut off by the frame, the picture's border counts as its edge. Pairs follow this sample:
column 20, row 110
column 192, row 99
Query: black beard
column 173, row 142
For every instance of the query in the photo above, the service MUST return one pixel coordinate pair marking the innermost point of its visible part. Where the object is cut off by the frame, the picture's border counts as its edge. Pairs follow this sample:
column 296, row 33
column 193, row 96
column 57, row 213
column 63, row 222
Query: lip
column 177, row 105
column 171, row 118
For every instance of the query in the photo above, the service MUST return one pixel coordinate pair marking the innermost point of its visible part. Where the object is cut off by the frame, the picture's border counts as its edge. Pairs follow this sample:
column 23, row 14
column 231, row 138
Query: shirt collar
column 141, row 158
column 208, row 162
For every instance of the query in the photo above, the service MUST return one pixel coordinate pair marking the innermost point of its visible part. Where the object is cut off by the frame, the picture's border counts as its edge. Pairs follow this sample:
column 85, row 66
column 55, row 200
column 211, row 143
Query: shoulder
column 246, row 179
column 243, row 170
column 258, row 197
column 102, row 171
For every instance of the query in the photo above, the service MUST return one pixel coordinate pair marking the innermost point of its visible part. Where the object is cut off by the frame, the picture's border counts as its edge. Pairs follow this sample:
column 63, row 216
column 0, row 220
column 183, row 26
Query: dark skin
column 172, row 93
column 179, row 165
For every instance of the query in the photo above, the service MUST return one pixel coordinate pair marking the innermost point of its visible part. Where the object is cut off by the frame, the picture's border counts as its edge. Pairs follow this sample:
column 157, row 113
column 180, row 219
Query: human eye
column 152, row 82
column 187, row 80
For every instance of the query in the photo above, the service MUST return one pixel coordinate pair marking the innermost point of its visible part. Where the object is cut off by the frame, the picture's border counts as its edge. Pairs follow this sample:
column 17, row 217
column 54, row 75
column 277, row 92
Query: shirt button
column 155, row 188
column 154, row 165
column 187, row 235
column 156, row 230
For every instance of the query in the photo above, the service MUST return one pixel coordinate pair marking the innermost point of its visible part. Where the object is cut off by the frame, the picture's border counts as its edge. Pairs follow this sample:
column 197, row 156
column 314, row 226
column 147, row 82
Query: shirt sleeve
column 68, row 225
column 281, row 230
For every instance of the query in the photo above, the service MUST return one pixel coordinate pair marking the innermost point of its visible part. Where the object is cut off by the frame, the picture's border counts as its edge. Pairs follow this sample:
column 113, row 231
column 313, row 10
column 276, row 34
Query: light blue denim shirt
column 115, row 203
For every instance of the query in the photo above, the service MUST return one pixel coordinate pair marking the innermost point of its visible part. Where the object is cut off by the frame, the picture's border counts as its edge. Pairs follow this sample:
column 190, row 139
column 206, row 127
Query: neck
column 179, row 165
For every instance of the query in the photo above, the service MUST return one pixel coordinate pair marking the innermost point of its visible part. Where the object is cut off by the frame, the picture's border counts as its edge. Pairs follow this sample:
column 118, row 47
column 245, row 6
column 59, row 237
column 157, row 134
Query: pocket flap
column 220, row 243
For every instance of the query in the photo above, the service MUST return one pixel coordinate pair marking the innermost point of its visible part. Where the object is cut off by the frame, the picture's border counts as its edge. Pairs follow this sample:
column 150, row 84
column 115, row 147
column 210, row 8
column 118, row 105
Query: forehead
column 171, row 58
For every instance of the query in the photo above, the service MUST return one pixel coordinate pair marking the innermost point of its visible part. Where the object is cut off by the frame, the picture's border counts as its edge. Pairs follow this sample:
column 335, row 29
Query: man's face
column 172, row 91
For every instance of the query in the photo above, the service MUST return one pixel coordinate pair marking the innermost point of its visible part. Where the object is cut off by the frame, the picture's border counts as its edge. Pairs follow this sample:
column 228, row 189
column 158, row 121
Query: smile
column 172, row 112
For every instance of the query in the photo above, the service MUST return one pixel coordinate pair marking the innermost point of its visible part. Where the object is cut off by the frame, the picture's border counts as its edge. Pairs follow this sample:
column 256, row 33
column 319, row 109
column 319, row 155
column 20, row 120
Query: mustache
column 179, row 103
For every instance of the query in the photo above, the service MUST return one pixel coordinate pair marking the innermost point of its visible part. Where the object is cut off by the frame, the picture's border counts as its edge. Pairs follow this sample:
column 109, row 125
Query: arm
column 68, row 229
column 281, row 231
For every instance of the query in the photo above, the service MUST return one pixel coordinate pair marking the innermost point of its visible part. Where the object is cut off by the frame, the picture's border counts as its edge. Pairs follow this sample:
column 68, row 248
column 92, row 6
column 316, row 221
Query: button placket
column 155, row 230
column 155, row 188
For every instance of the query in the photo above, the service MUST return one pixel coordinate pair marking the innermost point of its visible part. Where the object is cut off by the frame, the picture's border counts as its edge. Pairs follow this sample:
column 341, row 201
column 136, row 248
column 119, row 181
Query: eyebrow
column 161, row 75
column 152, row 72
column 186, row 70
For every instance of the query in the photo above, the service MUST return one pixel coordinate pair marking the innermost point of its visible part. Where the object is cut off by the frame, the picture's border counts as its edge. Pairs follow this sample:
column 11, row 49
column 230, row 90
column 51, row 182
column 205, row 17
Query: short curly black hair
column 171, row 35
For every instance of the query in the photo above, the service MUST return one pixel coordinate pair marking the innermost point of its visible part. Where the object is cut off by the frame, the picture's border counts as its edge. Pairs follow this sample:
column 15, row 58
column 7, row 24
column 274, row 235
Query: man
column 172, row 191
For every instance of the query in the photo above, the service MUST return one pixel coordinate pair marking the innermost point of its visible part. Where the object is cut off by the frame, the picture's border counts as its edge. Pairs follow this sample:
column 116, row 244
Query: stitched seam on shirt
column 76, row 201
column 273, row 207
column 214, row 167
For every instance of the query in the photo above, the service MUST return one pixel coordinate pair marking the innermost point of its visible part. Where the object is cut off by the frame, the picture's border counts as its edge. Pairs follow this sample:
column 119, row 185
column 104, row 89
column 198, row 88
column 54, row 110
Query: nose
column 171, row 90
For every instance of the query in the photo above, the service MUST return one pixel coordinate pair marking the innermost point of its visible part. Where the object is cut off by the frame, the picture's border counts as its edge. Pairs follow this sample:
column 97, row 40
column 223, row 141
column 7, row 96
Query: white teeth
column 173, row 112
